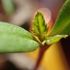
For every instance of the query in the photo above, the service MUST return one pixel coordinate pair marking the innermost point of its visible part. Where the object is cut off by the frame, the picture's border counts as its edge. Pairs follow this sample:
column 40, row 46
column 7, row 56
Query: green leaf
column 54, row 39
column 15, row 39
column 14, row 43
column 39, row 24
column 8, row 6
column 62, row 25
column 15, row 30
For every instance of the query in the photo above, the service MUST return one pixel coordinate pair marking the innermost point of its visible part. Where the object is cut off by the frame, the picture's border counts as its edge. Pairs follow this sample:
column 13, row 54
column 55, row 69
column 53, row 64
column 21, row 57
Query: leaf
column 15, row 39
column 14, row 43
column 8, row 6
column 15, row 30
column 62, row 24
column 39, row 24
column 54, row 39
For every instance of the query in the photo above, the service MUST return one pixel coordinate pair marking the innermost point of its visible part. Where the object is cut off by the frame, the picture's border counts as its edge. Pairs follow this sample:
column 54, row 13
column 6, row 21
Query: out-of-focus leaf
column 8, row 6
column 62, row 24
column 54, row 39
column 15, row 39
column 39, row 25
column 14, row 43
column 15, row 30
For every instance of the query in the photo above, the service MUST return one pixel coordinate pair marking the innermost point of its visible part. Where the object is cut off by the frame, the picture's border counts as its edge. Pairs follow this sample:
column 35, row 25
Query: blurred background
column 22, row 16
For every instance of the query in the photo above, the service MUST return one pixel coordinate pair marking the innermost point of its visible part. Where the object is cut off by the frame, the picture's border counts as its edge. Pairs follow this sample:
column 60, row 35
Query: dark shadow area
column 66, row 47
column 10, row 66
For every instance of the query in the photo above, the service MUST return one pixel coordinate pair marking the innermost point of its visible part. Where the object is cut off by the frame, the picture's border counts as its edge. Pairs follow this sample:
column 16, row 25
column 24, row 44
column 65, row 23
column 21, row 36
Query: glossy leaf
column 39, row 25
column 8, row 6
column 62, row 25
column 15, row 43
column 54, row 39
column 15, row 30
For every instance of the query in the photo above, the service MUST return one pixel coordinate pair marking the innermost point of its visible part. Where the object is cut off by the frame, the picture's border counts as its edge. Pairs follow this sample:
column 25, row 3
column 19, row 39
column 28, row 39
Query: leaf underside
column 14, row 43
column 15, row 39
column 13, row 29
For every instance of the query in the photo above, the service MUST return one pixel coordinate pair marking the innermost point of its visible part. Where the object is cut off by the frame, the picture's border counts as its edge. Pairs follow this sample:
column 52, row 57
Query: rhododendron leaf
column 39, row 25
column 62, row 24
column 54, row 39
column 15, row 39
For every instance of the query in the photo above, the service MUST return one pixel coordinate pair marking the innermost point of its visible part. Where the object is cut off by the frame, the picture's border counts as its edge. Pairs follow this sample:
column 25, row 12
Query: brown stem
column 41, row 53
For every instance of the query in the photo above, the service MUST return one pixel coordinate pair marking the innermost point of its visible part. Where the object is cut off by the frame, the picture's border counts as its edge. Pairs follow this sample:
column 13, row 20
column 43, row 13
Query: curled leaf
column 54, row 39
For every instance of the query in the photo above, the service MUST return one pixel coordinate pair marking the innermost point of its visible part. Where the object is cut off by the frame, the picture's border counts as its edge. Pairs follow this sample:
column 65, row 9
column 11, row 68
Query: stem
column 41, row 53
